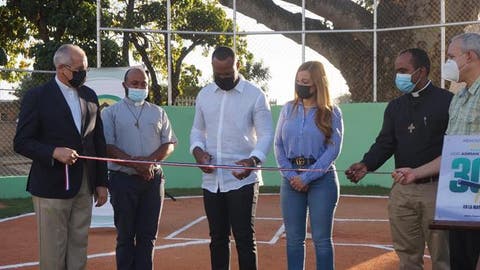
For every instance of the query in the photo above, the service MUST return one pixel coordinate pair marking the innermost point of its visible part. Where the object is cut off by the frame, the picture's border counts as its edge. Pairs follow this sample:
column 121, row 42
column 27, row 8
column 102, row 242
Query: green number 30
column 463, row 170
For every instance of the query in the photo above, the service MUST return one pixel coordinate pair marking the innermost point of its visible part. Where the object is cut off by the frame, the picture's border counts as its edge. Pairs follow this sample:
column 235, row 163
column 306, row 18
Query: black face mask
column 226, row 84
column 303, row 91
column 78, row 78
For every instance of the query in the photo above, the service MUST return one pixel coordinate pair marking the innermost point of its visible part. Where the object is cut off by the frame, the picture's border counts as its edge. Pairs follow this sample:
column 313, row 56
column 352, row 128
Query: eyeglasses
column 72, row 70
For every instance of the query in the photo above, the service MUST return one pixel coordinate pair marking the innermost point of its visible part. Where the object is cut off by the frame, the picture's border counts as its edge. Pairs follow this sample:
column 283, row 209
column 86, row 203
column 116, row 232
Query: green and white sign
column 459, row 184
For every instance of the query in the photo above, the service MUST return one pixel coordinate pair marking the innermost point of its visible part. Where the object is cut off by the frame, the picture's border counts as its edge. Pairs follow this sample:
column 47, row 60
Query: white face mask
column 137, row 95
column 451, row 72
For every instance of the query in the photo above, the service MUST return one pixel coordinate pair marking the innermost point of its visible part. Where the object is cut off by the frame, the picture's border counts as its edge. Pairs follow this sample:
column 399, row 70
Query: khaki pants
column 411, row 209
column 63, row 230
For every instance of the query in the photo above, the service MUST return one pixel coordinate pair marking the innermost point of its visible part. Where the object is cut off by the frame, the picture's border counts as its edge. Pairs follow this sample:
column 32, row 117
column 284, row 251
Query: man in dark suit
column 59, row 121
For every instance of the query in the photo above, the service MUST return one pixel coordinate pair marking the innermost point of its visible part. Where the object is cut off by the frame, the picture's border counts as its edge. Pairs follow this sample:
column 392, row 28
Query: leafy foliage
column 187, row 16
column 34, row 29
column 15, row 31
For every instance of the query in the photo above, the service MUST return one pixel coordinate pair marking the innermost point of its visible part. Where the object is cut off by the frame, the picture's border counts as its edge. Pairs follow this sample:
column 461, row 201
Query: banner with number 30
column 458, row 196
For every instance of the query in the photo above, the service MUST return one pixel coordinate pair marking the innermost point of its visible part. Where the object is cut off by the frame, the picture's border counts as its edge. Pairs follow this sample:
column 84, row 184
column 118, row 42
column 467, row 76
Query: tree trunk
column 352, row 53
column 126, row 35
column 140, row 47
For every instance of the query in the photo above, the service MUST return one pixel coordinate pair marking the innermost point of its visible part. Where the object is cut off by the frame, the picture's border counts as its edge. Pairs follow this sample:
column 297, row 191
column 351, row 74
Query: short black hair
column 223, row 52
column 419, row 57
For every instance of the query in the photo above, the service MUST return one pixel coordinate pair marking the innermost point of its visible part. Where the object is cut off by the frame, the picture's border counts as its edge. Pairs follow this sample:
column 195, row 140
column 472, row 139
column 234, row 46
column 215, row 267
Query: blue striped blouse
column 298, row 135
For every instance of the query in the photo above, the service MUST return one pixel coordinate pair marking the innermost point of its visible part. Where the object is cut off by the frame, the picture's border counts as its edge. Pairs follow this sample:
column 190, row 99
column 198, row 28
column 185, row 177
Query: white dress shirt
column 230, row 126
column 73, row 101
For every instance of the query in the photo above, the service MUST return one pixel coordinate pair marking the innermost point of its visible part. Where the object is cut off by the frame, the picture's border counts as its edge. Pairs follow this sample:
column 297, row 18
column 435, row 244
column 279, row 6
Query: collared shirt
column 73, row 101
column 465, row 111
column 298, row 135
column 413, row 129
column 417, row 93
column 230, row 126
column 119, row 125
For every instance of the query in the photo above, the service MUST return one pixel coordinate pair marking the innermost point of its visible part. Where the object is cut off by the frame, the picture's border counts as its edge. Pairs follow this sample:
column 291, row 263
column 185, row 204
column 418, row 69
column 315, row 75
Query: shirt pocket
column 154, row 128
column 473, row 122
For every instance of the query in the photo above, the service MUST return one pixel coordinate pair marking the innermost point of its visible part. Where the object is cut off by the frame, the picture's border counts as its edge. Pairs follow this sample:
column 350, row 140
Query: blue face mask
column 404, row 82
column 137, row 95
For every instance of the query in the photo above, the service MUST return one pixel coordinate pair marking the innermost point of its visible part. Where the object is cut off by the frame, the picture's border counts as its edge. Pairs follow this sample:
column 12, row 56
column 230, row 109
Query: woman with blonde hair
column 309, row 136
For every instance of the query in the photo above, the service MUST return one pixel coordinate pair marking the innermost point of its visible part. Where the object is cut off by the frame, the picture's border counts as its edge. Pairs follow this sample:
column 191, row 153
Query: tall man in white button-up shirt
column 232, row 126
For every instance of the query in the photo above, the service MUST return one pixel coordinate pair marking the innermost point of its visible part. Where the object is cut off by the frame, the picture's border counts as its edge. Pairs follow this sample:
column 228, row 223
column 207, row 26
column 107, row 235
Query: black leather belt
column 426, row 180
column 155, row 170
column 302, row 161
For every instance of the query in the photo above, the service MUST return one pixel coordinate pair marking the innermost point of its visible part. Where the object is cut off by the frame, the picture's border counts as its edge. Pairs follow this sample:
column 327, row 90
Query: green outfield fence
column 357, row 41
column 362, row 121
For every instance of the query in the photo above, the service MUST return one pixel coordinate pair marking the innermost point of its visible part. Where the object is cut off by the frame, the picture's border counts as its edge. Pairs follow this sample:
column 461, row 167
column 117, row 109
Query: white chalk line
column 201, row 241
column 186, row 227
column 16, row 217
column 200, row 196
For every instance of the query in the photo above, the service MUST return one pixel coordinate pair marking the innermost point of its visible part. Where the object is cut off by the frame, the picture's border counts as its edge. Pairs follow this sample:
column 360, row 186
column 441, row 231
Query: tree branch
column 128, row 24
column 277, row 18
column 345, row 14
column 141, row 50
column 42, row 26
column 349, row 52
column 183, row 54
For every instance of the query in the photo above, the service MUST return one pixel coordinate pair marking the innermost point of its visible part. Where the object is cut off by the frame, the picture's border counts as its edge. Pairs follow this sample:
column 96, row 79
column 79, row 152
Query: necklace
column 309, row 105
column 136, row 117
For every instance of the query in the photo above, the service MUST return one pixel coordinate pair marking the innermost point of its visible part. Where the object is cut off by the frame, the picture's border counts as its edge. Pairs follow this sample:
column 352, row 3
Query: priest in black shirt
column 413, row 128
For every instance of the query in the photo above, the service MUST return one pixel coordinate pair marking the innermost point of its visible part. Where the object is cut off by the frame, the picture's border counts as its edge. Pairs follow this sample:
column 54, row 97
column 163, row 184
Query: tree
column 34, row 29
column 3, row 57
column 187, row 15
column 352, row 53
column 14, row 29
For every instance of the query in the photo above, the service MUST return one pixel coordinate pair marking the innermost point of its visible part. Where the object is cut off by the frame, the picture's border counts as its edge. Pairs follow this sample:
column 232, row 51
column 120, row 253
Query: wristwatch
column 256, row 161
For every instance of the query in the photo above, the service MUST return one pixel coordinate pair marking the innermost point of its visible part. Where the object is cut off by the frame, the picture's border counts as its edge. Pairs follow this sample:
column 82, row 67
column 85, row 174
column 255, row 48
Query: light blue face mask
column 137, row 95
column 404, row 82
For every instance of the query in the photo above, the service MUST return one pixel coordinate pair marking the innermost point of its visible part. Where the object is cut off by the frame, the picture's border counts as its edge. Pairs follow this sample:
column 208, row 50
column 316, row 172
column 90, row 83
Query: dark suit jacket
column 46, row 122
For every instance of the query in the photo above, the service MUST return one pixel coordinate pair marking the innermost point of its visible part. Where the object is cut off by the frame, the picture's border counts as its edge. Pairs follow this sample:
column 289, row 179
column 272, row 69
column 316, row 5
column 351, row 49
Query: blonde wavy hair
column 323, row 116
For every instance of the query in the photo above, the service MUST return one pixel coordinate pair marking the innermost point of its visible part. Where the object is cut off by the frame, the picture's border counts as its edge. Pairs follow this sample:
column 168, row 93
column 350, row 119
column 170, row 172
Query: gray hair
column 469, row 42
column 63, row 55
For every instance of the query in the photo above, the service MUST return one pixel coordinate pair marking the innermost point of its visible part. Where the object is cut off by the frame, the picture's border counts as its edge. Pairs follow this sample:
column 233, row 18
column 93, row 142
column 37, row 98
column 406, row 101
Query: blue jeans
column 137, row 206
column 321, row 201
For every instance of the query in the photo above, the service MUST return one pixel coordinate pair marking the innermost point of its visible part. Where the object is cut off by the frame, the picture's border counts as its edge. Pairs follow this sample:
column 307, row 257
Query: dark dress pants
column 137, row 205
column 233, row 210
column 464, row 249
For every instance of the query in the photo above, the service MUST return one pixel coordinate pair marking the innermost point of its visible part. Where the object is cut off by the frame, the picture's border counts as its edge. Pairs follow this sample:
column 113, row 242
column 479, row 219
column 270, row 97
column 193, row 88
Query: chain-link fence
column 356, row 40
column 12, row 163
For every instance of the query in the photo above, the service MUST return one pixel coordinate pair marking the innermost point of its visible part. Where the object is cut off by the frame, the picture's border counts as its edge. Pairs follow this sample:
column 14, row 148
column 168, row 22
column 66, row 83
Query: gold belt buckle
column 300, row 161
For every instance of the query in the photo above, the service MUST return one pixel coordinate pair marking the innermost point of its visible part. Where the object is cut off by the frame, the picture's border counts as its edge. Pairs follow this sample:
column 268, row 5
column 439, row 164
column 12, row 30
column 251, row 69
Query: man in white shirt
column 232, row 126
